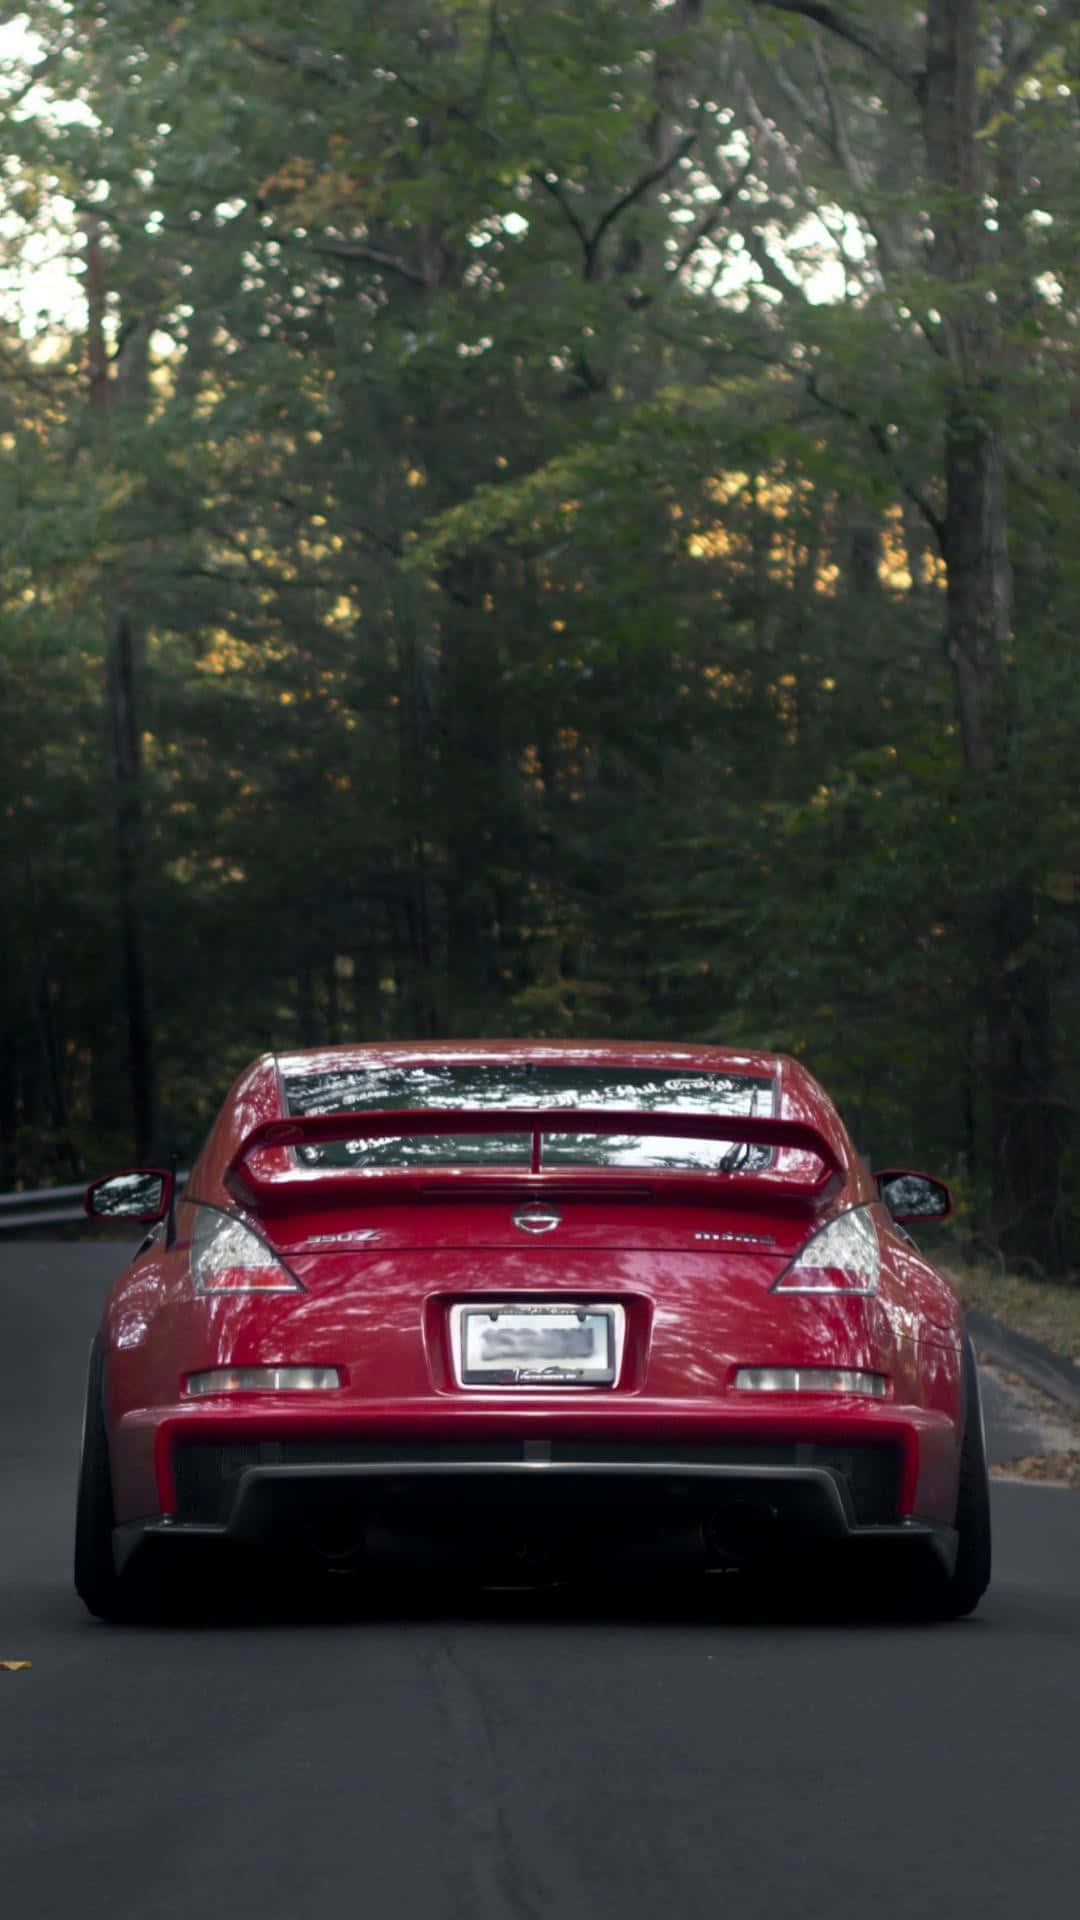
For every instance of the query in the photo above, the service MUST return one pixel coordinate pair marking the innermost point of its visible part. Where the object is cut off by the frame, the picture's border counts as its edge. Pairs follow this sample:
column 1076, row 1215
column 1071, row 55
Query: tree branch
column 543, row 177
column 843, row 151
column 640, row 187
column 490, row 50
column 835, row 22
column 296, row 59
column 709, row 221
column 884, row 446
column 553, row 185
column 772, row 273
column 249, row 582
column 772, row 136
column 781, row 78
column 834, row 137
column 1019, row 63
column 372, row 257
column 837, row 136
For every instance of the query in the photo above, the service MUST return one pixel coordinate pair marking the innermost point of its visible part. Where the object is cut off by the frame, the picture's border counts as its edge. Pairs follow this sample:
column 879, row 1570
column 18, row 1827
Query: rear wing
column 263, row 1172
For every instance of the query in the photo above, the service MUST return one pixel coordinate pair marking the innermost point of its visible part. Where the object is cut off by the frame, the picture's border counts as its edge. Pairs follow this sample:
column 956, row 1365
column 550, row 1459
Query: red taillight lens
column 228, row 1256
column 842, row 1258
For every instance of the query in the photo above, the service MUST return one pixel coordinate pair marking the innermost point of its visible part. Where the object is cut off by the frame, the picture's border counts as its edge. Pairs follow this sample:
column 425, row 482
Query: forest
column 553, row 520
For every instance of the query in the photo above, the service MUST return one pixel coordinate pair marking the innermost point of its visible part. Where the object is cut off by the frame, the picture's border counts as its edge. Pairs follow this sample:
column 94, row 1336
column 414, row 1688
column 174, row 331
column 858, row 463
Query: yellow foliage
column 226, row 654
column 292, row 177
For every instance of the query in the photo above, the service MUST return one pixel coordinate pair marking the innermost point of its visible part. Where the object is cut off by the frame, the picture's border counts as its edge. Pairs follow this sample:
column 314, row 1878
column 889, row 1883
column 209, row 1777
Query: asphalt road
column 512, row 1760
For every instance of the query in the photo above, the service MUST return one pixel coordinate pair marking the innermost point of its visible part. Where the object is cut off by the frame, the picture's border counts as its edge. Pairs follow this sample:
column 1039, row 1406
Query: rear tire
column 111, row 1595
column 971, row 1575
column 952, row 1596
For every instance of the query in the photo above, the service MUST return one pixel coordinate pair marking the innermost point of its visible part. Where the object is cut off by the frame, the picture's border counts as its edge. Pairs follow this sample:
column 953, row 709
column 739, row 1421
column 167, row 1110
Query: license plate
column 541, row 1346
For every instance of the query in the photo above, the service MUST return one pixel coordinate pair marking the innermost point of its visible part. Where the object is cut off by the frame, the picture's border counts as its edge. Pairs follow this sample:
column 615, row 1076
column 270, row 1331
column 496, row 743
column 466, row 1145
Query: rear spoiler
column 287, row 1184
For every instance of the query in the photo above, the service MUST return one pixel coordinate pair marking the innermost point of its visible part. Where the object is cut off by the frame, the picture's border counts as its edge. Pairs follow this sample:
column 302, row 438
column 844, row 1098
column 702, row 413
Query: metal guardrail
column 41, row 1206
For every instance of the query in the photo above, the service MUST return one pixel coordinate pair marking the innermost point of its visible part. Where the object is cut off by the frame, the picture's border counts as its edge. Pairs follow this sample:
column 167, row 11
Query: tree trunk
column 124, row 732
column 1026, row 1136
column 415, row 745
column 1026, row 1122
column 9, row 1106
column 125, row 742
column 472, row 813
column 307, row 1031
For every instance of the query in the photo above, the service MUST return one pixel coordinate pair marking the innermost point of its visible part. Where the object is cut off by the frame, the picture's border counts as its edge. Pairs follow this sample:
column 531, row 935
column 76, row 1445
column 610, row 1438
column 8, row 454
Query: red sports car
column 533, row 1310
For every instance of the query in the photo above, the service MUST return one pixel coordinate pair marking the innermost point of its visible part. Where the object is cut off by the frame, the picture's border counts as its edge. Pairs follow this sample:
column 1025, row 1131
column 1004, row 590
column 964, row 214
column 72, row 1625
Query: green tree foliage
column 533, row 449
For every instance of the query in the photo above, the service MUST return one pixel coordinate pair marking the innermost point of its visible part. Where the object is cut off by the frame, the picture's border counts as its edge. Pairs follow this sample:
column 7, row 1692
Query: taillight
column 263, row 1380
column 842, row 1257
column 227, row 1256
column 874, row 1386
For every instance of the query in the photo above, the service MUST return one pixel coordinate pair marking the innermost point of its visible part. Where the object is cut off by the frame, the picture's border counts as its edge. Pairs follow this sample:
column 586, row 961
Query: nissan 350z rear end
column 529, row 1313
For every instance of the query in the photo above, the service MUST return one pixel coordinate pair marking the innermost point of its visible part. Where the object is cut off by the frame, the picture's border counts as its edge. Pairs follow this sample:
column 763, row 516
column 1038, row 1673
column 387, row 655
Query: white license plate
column 541, row 1346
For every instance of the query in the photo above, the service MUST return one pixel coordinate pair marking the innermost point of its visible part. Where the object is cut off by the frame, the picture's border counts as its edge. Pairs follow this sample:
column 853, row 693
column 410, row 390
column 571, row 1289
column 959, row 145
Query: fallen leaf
column 1062, row 1468
column 15, row 1666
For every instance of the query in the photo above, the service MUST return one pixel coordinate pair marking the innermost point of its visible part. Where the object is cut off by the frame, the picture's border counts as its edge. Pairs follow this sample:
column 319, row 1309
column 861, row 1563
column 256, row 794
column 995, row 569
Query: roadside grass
column 1046, row 1310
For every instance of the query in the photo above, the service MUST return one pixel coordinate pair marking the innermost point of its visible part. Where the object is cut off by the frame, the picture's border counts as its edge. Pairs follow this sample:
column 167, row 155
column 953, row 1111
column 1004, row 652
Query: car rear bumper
column 567, row 1503
column 150, row 1446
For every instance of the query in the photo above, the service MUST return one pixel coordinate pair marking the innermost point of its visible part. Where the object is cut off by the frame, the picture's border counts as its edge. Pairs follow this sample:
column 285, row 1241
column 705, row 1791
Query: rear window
column 530, row 1084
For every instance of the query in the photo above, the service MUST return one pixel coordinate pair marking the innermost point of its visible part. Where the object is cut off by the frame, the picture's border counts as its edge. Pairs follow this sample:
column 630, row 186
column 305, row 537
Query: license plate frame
column 539, row 1345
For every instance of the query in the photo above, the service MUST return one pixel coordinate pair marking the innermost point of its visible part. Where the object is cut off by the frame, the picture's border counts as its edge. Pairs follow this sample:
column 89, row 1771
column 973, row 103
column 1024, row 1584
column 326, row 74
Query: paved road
column 515, row 1761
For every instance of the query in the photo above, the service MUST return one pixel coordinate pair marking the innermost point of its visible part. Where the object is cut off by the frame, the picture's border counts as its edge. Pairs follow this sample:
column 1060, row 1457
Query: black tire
column 971, row 1575
column 951, row 1597
column 112, row 1596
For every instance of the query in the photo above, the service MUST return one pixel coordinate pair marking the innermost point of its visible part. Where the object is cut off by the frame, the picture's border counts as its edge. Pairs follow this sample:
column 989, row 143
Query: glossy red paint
column 382, row 1260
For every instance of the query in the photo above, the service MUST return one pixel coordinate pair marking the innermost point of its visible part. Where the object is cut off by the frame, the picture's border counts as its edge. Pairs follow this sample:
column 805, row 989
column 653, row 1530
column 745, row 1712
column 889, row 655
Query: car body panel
column 692, row 1265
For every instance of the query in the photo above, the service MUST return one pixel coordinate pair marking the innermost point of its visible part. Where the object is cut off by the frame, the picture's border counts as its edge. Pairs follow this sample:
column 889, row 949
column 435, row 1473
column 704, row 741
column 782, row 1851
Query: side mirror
column 144, row 1194
column 913, row 1196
